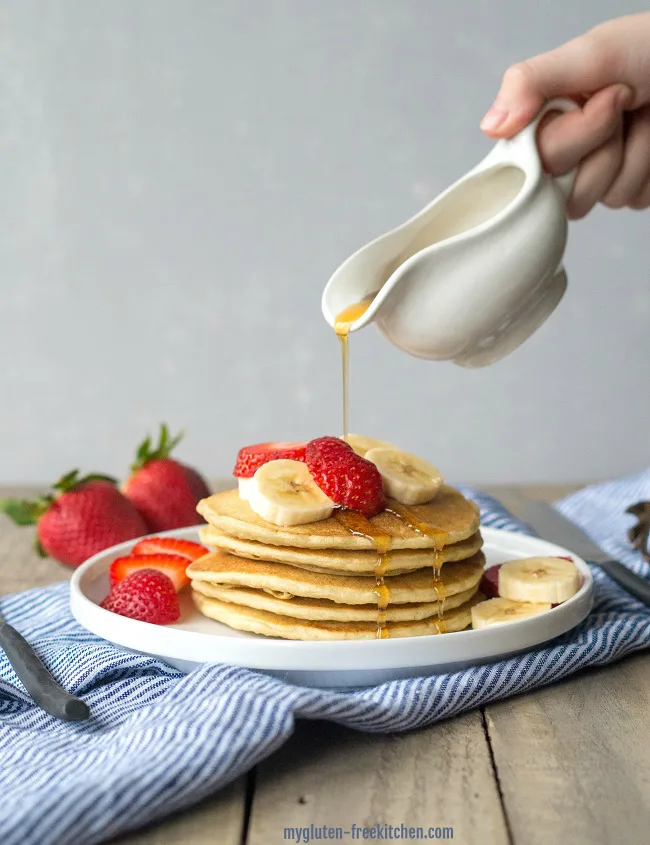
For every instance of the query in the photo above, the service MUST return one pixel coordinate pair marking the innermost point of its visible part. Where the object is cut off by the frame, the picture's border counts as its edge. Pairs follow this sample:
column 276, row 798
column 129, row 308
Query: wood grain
column 573, row 759
column 328, row 775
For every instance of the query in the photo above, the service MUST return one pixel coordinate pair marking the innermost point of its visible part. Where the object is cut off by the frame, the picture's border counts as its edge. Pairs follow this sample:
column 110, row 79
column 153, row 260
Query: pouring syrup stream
column 361, row 526
column 342, row 325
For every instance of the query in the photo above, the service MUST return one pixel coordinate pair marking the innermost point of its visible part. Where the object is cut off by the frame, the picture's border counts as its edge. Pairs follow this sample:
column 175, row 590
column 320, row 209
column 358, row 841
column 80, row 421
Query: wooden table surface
column 567, row 764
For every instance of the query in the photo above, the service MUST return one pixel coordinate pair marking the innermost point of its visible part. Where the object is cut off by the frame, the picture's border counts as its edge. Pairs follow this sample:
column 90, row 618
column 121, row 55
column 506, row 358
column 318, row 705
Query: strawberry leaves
column 26, row 512
column 72, row 480
column 23, row 512
column 147, row 452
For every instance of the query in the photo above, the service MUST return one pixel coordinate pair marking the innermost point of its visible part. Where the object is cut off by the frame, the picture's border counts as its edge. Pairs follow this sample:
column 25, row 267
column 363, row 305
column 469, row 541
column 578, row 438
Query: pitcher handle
column 522, row 148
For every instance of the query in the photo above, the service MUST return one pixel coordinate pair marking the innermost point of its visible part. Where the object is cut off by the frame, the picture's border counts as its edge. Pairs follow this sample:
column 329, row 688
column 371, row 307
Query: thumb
column 577, row 68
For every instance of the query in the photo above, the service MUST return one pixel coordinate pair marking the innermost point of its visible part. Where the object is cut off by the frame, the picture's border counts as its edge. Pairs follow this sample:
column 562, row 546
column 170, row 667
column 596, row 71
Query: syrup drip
column 359, row 525
column 439, row 625
column 383, row 598
column 342, row 325
column 439, row 538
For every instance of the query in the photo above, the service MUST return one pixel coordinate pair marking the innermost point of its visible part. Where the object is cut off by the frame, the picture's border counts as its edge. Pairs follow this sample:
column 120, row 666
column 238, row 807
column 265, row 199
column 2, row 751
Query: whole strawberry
column 348, row 479
column 147, row 595
column 81, row 517
column 164, row 490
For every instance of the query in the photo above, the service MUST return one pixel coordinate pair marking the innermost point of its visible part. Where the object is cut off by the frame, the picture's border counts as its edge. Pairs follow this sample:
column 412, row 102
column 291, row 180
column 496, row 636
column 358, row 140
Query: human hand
column 607, row 71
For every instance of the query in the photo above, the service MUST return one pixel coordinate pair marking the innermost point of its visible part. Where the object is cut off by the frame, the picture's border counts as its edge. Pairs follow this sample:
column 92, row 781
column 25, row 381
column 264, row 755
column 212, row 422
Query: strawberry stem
column 66, row 481
column 166, row 444
column 71, row 480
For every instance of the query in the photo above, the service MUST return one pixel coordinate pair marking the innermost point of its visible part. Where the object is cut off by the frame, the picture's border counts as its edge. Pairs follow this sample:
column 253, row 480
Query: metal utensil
column 552, row 526
column 37, row 680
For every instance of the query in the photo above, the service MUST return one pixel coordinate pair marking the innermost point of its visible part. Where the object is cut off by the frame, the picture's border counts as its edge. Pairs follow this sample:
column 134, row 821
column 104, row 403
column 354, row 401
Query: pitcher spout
column 361, row 280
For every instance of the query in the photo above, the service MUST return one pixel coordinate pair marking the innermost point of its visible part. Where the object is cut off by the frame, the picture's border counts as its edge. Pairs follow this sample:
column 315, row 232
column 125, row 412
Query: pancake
column 276, row 625
column 322, row 609
column 362, row 562
column 450, row 512
column 224, row 569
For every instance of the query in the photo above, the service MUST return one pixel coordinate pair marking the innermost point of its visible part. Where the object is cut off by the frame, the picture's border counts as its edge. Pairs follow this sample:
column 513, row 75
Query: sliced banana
column 284, row 493
column 407, row 478
column 245, row 485
column 498, row 611
column 539, row 579
column 362, row 444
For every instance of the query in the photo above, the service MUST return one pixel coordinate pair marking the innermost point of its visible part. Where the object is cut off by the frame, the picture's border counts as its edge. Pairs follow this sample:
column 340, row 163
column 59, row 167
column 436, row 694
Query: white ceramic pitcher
column 471, row 276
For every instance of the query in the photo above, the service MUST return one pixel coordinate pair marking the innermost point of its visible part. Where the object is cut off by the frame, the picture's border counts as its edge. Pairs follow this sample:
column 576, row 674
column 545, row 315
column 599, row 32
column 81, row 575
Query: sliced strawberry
column 348, row 479
column 251, row 458
column 490, row 581
column 173, row 566
column 169, row 546
column 147, row 595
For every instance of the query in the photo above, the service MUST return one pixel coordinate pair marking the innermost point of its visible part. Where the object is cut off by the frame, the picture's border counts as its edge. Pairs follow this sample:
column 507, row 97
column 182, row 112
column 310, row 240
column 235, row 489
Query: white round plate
column 195, row 639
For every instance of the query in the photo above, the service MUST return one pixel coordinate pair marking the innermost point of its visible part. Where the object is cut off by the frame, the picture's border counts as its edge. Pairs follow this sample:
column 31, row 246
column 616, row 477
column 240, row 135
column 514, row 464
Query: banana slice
column 245, row 486
column 535, row 579
column 362, row 444
column 284, row 493
column 497, row 611
column 407, row 478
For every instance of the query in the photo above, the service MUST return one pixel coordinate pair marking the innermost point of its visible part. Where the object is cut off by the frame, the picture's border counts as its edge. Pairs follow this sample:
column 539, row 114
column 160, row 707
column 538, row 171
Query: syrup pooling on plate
column 342, row 324
column 358, row 524
column 439, row 538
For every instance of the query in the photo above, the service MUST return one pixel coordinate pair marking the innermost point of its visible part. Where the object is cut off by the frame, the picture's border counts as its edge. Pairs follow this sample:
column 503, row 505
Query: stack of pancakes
column 328, row 581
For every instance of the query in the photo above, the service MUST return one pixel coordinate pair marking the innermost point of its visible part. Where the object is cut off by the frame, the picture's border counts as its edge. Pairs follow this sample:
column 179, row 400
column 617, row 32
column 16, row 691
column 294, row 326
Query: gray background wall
column 179, row 179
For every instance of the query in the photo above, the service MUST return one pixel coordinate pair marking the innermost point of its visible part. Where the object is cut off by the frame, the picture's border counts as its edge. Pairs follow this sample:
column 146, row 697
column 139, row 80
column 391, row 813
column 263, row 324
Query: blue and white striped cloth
column 159, row 740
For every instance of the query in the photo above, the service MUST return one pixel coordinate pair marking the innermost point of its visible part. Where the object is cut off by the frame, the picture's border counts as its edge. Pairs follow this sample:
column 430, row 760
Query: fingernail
column 495, row 117
column 624, row 97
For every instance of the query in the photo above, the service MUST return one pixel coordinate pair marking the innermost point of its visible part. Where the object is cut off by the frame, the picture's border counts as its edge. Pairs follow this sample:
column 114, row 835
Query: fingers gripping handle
column 522, row 149
column 564, row 182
